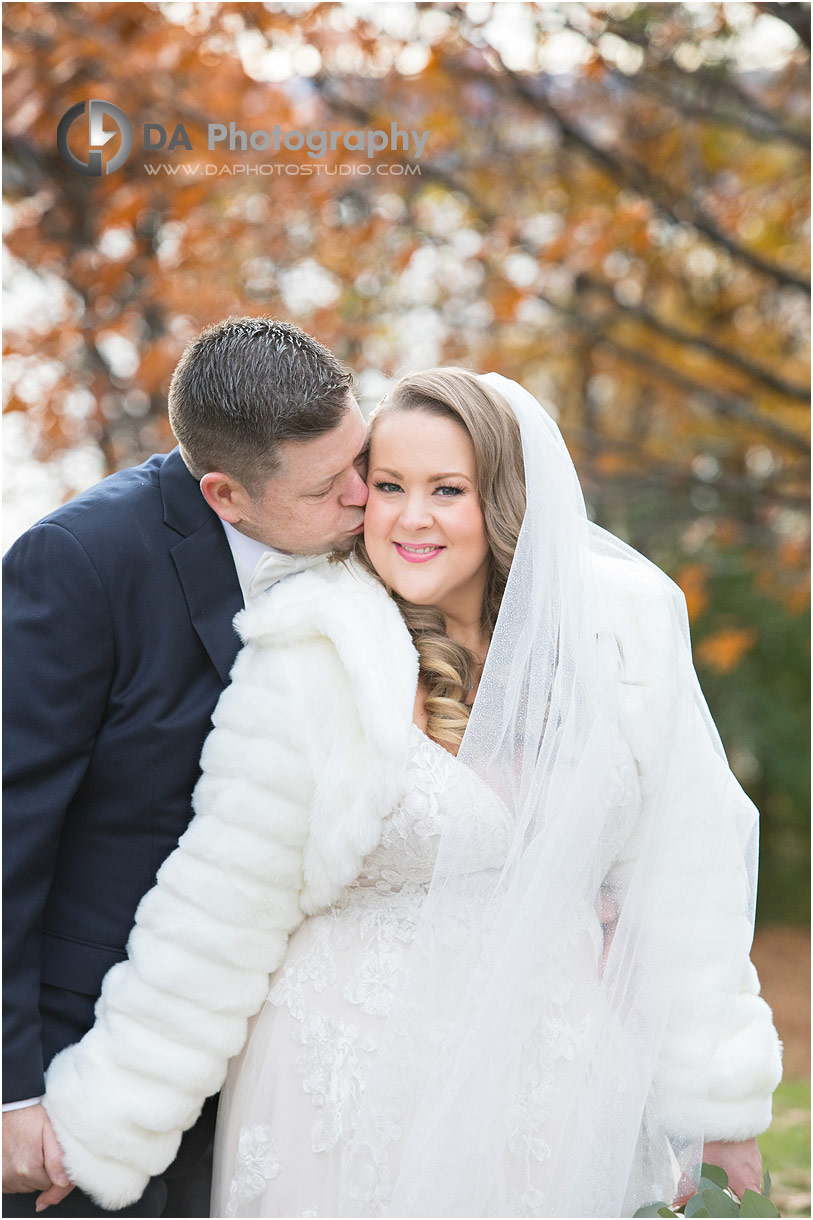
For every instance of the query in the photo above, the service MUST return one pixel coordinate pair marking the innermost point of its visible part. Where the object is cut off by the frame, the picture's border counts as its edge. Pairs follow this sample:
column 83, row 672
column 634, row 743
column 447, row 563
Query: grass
column 785, row 1148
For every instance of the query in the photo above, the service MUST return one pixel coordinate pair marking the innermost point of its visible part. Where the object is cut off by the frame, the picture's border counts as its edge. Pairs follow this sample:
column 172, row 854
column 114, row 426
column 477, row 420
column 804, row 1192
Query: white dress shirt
column 258, row 566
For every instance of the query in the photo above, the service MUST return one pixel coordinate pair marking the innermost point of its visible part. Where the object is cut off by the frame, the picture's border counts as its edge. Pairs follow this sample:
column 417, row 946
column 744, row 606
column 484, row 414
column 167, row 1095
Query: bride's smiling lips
column 417, row 553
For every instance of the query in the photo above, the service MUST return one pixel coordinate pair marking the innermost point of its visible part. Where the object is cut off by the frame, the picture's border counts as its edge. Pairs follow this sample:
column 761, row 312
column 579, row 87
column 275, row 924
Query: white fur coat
column 307, row 756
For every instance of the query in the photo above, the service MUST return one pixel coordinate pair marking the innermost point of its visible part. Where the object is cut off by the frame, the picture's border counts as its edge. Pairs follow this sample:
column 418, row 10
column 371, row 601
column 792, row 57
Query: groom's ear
column 225, row 496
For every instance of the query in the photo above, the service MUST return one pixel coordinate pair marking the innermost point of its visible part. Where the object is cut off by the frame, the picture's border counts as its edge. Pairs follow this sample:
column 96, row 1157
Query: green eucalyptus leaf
column 756, row 1205
column 707, row 1184
column 711, row 1203
column 766, row 1184
column 651, row 1209
column 715, row 1174
column 665, row 1211
column 719, row 1203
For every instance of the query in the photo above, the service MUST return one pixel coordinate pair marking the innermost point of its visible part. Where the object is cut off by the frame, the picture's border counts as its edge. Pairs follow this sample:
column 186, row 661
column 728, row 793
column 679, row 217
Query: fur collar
column 363, row 754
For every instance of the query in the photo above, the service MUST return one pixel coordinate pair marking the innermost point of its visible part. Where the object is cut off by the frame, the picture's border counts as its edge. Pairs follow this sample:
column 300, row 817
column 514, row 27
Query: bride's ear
column 225, row 496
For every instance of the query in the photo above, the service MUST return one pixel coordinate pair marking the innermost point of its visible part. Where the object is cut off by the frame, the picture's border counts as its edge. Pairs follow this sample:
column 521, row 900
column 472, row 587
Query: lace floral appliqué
column 257, row 1163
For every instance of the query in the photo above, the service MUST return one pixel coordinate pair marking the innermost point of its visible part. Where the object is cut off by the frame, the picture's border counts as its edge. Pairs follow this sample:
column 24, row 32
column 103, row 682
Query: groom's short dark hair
column 244, row 386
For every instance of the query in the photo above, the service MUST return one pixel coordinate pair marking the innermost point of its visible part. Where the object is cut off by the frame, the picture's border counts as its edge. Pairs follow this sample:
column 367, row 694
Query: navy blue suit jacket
column 118, row 640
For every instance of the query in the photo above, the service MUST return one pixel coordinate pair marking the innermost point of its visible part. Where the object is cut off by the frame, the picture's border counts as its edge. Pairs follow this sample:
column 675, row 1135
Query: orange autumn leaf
column 609, row 463
column 724, row 649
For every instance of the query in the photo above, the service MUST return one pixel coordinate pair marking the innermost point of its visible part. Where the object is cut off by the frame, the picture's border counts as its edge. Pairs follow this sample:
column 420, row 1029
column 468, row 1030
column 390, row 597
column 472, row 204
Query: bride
column 465, row 804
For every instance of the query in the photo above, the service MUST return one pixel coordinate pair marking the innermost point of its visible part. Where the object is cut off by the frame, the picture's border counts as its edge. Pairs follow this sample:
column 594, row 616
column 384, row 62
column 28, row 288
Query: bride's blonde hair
column 447, row 669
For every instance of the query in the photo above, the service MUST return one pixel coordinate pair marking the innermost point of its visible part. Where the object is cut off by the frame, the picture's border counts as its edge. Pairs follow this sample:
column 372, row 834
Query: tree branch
column 729, row 406
column 693, row 92
column 754, row 494
column 717, row 80
column 758, row 126
column 632, row 173
column 683, row 337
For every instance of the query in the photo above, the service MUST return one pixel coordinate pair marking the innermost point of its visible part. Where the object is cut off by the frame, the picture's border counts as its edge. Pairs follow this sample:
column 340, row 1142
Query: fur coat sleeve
column 719, row 1032
column 306, row 756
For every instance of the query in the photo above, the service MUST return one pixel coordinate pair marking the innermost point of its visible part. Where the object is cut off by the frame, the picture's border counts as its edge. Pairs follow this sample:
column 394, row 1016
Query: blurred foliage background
column 611, row 207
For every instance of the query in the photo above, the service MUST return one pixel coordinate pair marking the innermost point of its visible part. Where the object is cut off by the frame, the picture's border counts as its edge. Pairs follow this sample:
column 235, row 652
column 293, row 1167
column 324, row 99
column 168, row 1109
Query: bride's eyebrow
column 432, row 478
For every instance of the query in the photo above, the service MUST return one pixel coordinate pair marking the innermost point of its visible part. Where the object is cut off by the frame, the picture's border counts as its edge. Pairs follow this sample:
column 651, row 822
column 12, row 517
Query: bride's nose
column 416, row 513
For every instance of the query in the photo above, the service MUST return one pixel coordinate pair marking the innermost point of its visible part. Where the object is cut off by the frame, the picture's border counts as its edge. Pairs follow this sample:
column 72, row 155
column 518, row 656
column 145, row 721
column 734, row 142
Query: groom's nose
column 356, row 494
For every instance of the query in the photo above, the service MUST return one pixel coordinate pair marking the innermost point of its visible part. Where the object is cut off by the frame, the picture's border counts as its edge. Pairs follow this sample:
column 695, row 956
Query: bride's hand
column 741, row 1160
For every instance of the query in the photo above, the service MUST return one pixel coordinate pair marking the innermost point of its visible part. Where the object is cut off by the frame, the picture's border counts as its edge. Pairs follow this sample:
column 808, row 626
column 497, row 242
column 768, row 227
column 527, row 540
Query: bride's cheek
column 374, row 523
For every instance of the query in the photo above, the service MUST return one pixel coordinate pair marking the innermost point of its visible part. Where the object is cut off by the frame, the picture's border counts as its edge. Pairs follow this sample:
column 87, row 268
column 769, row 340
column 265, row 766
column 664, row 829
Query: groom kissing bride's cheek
column 452, row 905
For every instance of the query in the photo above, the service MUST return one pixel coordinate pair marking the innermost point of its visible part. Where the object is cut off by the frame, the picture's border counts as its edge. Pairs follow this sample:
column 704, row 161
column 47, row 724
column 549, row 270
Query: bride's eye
column 382, row 486
column 448, row 490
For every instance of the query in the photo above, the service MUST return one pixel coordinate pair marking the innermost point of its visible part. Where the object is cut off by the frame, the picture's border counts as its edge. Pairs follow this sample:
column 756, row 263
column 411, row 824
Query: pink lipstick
column 418, row 554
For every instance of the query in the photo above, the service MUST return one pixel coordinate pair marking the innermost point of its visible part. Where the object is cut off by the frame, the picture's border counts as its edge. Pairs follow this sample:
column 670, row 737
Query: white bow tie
column 272, row 566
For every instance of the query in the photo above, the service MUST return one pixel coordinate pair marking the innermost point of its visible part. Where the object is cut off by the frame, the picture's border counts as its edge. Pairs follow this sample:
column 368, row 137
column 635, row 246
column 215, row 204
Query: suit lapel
column 204, row 563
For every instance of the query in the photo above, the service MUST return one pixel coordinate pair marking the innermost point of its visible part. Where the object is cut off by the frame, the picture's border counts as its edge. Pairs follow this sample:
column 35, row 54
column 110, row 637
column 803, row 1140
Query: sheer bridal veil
column 549, row 1046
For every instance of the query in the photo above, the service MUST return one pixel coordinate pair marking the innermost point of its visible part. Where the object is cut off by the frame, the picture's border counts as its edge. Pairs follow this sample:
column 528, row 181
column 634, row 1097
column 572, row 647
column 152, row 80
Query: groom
column 118, row 642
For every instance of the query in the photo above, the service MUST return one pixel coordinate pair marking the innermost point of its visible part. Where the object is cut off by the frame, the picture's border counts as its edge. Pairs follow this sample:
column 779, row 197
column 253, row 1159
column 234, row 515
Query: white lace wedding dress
column 288, row 1109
